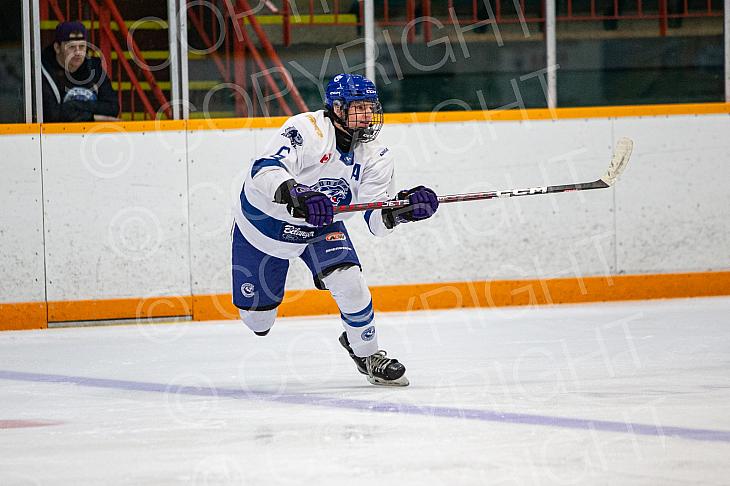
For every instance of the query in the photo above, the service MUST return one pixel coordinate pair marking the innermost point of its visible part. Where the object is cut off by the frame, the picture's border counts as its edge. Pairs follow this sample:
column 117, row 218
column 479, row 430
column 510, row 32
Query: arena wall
column 127, row 220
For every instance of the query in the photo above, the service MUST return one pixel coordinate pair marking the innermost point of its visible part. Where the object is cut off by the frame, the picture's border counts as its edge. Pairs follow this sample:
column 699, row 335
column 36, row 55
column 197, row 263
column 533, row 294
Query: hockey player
column 318, row 160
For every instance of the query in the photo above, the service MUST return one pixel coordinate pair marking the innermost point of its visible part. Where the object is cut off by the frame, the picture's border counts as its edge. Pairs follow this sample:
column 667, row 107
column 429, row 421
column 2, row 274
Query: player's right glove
column 423, row 204
column 306, row 203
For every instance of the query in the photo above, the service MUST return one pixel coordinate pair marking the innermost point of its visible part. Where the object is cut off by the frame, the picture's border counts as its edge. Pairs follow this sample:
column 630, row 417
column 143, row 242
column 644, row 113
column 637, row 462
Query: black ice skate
column 379, row 369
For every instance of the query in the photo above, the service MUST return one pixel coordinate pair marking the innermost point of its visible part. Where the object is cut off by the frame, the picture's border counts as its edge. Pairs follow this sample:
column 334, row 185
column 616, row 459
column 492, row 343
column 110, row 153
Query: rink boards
column 113, row 221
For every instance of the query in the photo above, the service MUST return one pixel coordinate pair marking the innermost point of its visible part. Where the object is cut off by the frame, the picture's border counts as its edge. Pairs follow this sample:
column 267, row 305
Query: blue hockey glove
column 423, row 204
column 306, row 203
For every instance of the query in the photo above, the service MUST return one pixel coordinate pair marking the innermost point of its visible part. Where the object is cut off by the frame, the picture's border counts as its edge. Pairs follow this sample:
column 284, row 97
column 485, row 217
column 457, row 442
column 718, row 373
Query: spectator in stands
column 75, row 87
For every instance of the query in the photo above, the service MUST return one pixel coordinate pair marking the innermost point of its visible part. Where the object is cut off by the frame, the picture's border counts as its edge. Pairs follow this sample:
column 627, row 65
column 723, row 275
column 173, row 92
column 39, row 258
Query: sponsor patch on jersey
column 296, row 234
column 384, row 151
column 338, row 190
column 336, row 236
column 368, row 334
column 248, row 290
column 316, row 127
column 294, row 136
column 325, row 158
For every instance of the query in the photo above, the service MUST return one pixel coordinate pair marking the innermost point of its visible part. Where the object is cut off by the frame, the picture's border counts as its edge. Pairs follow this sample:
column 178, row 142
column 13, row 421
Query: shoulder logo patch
column 294, row 136
column 316, row 127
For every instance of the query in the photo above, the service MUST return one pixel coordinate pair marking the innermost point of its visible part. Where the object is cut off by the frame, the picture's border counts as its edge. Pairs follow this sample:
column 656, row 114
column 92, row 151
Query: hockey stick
column 620, row 158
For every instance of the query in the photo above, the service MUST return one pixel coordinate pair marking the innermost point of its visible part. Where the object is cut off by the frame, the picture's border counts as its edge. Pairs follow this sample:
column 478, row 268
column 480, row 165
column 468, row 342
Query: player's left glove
column 423, row 204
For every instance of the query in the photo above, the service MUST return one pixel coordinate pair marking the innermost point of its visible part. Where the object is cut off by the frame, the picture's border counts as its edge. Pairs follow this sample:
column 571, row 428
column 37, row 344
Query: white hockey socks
column 352, row 295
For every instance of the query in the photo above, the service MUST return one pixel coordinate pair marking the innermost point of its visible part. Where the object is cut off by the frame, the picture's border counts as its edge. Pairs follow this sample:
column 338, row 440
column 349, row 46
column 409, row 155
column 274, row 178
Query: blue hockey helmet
column 347, row 88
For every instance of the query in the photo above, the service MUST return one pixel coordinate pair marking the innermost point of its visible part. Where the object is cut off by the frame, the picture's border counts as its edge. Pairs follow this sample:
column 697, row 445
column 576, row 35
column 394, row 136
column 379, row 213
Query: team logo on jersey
column 325, row 158
column 368, row 334
column 337, row 236
column 338, row 190
column 248, row 290
column 294, row 136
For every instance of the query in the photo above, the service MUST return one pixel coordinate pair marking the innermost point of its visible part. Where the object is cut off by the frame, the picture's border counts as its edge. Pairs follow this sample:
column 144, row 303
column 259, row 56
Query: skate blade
column 402, row 381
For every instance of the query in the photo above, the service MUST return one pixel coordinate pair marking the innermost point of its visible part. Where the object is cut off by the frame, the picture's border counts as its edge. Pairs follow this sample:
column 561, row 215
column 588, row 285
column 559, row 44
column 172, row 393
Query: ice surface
column 622, row 393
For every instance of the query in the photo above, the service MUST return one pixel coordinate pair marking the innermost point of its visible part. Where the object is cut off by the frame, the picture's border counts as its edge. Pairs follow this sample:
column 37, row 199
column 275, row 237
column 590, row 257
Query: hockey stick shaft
column 477, row 196
column 619, row 160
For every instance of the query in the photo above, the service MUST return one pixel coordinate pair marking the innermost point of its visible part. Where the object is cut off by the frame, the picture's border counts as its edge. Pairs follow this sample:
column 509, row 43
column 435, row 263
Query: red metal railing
column 637, row 10
column 238, row 48
column 403, row 12
column 117, row 16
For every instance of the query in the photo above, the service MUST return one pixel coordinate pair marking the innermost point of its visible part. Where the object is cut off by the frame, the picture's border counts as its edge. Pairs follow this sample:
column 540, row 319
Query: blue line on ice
column 382, row 407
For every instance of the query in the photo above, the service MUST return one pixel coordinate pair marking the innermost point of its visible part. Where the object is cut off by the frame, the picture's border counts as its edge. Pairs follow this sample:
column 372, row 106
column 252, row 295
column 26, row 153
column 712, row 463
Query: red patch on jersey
column 338, row 236
column 325, row 158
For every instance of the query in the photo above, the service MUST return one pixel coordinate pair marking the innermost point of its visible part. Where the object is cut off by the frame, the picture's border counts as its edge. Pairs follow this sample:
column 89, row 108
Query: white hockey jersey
column 304, row 149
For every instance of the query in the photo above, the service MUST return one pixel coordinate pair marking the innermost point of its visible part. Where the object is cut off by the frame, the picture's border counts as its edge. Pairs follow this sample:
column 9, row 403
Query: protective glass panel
column 460, row 55
column 638, row 52
column 12, row 78
column 128, row 75
column 258, row 58
column 443, row 56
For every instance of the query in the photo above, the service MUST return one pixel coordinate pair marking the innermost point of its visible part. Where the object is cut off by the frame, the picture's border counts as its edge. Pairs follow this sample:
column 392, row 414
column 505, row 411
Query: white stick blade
column 621, row 155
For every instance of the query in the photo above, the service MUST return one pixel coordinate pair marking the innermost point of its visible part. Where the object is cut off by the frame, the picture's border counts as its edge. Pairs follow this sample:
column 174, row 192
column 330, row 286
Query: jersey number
column 281, row 153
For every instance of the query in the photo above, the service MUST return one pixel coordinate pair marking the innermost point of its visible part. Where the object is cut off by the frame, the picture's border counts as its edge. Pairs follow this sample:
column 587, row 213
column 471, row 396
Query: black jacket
column 78, row 96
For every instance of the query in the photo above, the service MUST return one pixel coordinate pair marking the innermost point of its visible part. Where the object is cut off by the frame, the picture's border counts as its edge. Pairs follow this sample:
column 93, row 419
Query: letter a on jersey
column 355, row 172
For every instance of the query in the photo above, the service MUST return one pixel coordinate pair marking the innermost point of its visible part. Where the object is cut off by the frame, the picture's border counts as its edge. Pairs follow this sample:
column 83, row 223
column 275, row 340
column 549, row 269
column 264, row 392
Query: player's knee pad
column 348, row 288
column 258, row 321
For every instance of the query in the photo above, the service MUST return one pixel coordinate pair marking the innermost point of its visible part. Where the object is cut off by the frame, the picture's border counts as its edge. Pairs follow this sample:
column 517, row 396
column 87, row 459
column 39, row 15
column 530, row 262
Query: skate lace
column 378, row 362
